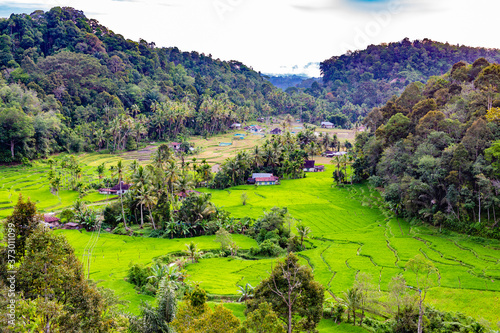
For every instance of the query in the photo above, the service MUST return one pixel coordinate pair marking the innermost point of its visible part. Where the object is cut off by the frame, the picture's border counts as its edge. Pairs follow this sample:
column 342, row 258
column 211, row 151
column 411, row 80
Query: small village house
column 263, row 179
column 51, row 221
column 72, row 226
column 115, row 190
column 327, row 124
column 276, row 131
column 309, row 166
column 175, row 145
column 184, row 195
column 236, row 126
column 329, row 153
column 254, row 128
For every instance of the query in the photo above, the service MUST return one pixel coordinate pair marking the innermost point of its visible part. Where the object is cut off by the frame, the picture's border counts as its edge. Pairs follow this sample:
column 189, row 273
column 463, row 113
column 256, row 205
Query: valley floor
column 349, row 235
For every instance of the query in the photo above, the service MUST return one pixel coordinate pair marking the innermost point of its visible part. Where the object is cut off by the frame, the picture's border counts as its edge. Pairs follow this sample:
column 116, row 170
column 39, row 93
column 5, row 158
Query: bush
column 375, row 181
column 294, row 244
column 66, row 215
column 26, row 162
column 268, row 248
column 164, row 259
column 130, row 144
column 138, row 275
column 147, row 289
column 110, row 212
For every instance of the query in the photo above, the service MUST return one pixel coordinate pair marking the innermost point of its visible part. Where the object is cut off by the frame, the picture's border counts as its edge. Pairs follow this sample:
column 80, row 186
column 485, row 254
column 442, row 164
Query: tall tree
column 425, row 277
column 119, row 170
column 293, row 294
column 23, row 221
column 15, row 127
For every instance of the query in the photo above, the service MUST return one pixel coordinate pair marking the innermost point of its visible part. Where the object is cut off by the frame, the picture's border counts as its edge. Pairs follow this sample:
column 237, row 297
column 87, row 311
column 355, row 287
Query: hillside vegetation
column 435, row 149
column 358, row 81
column 71, row 84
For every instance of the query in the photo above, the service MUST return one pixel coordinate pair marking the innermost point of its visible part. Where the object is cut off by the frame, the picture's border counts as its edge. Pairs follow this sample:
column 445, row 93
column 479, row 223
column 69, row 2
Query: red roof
column 50, row 219
column 267, row 179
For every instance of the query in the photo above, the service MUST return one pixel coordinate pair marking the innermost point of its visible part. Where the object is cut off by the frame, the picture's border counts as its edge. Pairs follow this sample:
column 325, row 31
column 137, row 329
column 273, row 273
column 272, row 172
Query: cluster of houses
column 253, row 128
column 53, row 222
column 270, row 179
column 117, row 189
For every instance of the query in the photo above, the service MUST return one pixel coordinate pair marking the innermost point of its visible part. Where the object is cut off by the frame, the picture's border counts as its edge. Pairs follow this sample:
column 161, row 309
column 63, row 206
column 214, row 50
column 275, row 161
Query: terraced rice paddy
column 33, row 183
column 349, row 235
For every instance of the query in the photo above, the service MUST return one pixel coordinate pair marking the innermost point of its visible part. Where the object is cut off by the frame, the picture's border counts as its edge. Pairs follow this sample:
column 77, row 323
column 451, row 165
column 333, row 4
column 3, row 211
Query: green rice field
column 349, row 234
column 32, row 182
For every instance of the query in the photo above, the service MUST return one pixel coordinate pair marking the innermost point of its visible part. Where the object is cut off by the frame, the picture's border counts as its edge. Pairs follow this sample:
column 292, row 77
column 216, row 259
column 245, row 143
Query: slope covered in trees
column 75, row 85
column 435, row 149
column 358, row 81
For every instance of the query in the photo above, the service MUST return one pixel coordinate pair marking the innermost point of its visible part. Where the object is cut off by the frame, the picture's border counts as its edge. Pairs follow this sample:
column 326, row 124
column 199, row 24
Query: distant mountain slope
column 290, row 80
column 367, row 78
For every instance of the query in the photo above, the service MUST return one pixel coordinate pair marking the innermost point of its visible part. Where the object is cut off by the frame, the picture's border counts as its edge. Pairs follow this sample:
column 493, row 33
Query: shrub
column 66, row 215
column 164, row 259
column 268, row 248
column 138, row 275
column 110, row 212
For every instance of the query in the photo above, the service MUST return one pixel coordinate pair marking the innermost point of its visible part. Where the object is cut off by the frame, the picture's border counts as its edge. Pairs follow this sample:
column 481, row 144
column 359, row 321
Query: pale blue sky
column 272, row 36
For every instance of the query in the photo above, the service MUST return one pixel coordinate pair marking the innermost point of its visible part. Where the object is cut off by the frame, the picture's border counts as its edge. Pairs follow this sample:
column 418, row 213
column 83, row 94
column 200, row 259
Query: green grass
column 32, row 182
column 112, row 255
column 221, row 276
column 327, row 326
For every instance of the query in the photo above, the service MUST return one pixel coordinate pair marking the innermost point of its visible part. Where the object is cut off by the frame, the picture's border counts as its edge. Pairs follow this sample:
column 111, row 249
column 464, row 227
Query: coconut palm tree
column 257, row 157
column 352, row 300
column 100, row 170
column 303, row 231
column 133, row 166
column 149, row 199
column 337, row 162
column 326, row 141
column 56, row 184
column 192, row 251
column 171, row 228
column 119, row 170
column 141, row 195
column 184, row 183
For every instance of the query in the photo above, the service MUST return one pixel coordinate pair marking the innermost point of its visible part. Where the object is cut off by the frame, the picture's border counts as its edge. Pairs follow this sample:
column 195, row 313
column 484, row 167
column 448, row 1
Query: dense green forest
column 435, row 149
column 71, row 84
column 357, row 81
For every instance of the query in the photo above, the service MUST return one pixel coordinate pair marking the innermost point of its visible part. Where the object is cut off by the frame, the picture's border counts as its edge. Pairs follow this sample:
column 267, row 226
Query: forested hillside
column 358, row 81
column 71, row 84
column 435, row 149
